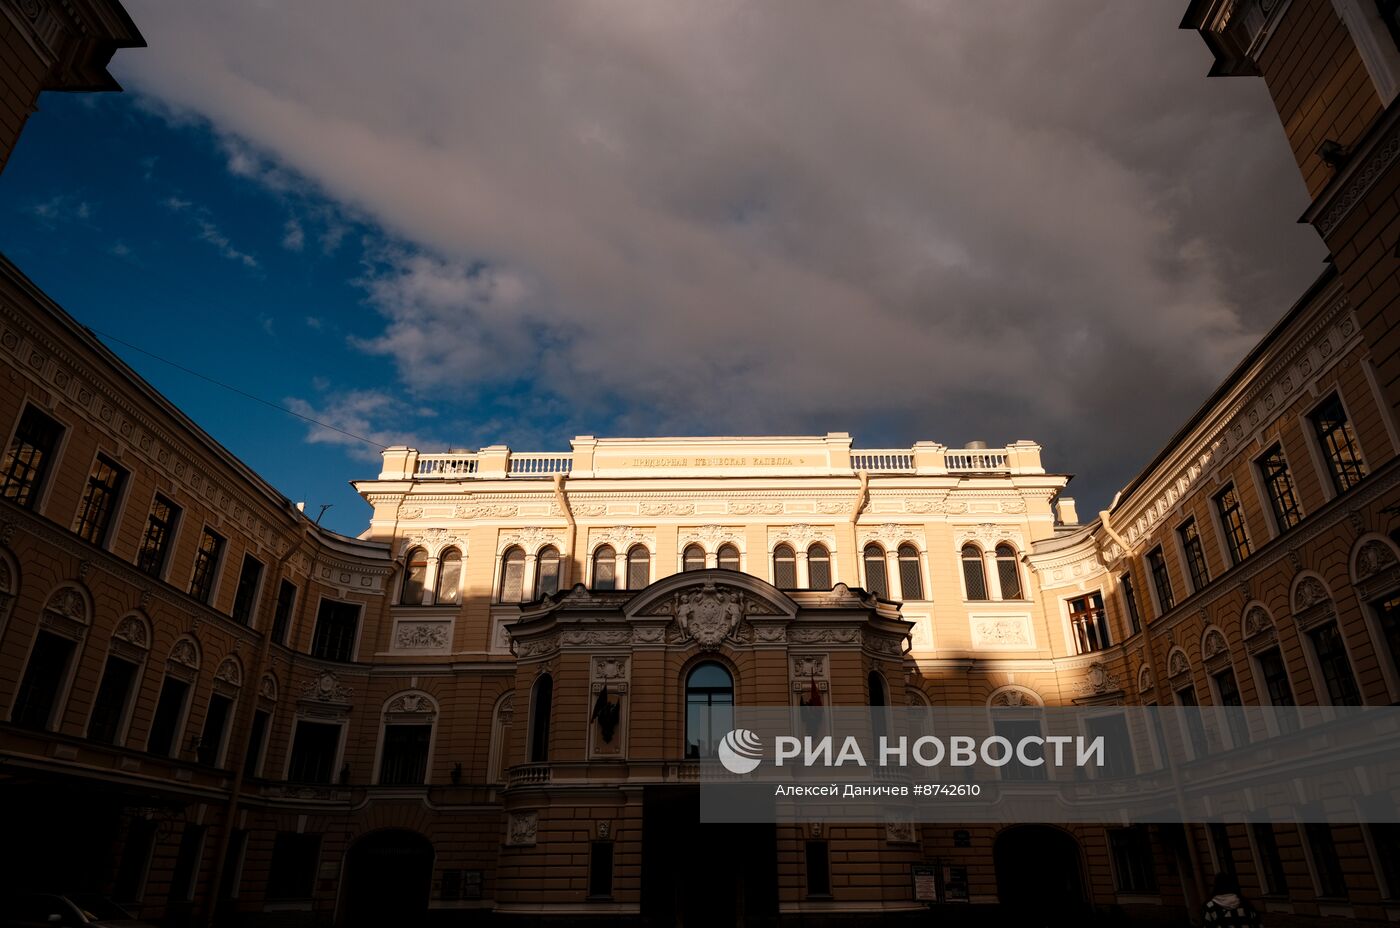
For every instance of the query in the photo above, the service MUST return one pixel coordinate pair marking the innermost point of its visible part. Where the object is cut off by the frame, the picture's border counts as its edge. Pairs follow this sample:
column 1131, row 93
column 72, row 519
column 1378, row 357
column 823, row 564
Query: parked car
column 70, row 910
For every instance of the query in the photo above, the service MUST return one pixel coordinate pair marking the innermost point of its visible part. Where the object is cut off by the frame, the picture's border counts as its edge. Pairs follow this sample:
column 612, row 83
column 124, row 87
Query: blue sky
column 913, row 220
column 137, row 225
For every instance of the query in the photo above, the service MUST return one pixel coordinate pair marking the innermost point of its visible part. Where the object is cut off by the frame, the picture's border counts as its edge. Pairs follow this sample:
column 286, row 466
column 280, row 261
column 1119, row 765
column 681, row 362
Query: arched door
column 388, row 876
column 1039, row 879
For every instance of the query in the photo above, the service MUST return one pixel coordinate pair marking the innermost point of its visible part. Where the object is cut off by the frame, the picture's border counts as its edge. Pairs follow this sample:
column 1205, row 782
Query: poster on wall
column 925, row 882
column 955, row 884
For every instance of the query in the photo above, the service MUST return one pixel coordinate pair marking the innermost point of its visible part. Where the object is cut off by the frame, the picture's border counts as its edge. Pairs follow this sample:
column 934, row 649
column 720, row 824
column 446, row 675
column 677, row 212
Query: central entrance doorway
column 697, row 875
column 1039, row 879
column 388, row 877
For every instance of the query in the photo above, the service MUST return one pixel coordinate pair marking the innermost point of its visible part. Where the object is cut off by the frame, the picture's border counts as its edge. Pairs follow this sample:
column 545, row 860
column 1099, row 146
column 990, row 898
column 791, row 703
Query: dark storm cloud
column 922, row 220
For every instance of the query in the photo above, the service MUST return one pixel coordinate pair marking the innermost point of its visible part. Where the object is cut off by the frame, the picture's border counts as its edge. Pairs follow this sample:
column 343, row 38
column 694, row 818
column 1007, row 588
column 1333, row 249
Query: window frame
column 215, row 571
column 823, row 558
column 1332, row 486
column 790, row 558
column 1160, row 574
column 1193, row 554
column 908, row 555
column 1267, row 483
column 355, row 638
column 594, row 559
column 449, row 555
column 964, row 560
column 171, row 538
column 254, row 597
column 504, row 584
column 115, row 505
column 1234, row 535
column 37, row 499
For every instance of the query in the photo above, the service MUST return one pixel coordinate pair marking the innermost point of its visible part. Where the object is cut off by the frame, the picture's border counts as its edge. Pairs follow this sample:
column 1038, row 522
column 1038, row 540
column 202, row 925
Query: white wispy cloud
column 994, row 220
column 208, row 231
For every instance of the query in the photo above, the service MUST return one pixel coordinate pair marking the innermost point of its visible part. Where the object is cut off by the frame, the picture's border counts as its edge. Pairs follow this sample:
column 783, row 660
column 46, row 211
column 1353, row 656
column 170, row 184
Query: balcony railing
column 883, row 459
column 540, row 465
column 446, row 466
column 494, row 463
column 527, row 775
column 975, row 461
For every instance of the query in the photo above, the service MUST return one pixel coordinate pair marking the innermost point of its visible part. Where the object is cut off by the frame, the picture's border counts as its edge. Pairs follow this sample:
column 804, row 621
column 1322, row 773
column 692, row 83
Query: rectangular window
column 257, row 738
column 1088, row 623
column 211, row 741
column 1227, row 690
column 1385, row 838
column 29, row 457
column 336, row 626
column 100, row 494
column 1134, row 869
column 1220, row 845
column 1278, row 481
column 1130, row 599
column 246, row 596
column 282, row 617
column 1118, row 745
column 818, row 869
column 43, row 679
column 1277, row 689
column 160, row 533
column 600, row 870
column 187, row 863
column 1332, row 660
column 233, row 863
column 206, row 565
column 1157, row 566
column 170, row 708
column 1191, row 718
column 1338, row 441
column 1388, row 615
column 404, row 761
column 109, row 705
column 313, row 752
column 1195, row 554
column 1273, row 878
column 130, row 882
column 1227, row 503
column 295, row 858
column 1327, row 866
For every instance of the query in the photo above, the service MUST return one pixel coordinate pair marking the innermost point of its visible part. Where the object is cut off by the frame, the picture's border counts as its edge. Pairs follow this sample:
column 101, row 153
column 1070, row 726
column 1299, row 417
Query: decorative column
column 803, row 576
column 527, row 581
column 430, row 582
column 989, row 566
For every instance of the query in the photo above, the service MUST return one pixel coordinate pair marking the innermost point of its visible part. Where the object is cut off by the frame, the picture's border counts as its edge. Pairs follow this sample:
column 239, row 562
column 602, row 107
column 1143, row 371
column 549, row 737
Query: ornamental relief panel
column 802, row 536
column 621, row 537
column 1002, row 632
column 422, row 636
column 434, row 540
column 711, row 537
column 986, row 535
column 891, row 535
column 531, row 539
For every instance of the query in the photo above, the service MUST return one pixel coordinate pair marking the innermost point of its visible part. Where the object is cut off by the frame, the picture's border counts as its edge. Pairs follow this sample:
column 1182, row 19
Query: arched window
column 449, row 579
column 973, row 575
column 818, row 568
column 728, row 557
column 638, row 567
column 875, row 579
column 1008, row 573
column 877, row 699
column 875, row 690
column 694, row 558
column 911, row 578
column 605, row 568
column 512, row 575
column 415, row 577
column 541, row 704
column 547, row 572
column 709, row 709
column 784, row 568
